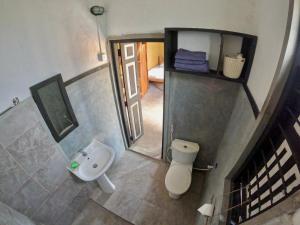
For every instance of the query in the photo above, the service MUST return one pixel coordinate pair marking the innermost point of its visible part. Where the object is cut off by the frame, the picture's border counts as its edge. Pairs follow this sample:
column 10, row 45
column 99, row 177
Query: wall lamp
column 98, row 11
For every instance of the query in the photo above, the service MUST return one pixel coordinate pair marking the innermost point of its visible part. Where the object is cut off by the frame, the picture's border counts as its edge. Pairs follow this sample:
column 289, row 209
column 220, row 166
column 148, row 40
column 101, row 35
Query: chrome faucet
column 83, row 153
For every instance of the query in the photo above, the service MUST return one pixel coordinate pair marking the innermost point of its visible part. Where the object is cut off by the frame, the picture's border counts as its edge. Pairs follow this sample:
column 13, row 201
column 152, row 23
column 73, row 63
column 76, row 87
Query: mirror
column 53, row 102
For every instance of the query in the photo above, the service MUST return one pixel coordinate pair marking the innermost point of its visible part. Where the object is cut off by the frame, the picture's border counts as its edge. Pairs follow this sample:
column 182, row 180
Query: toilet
column 179, row 176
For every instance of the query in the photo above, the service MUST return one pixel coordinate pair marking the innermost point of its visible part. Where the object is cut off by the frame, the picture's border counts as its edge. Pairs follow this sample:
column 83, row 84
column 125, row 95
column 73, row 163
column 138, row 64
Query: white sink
column 93, row 162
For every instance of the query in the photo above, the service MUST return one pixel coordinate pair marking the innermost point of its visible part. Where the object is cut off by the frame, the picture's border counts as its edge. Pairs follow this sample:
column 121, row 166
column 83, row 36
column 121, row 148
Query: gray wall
column 9, row 216
column 94, row 106
column 33, row 175
column 199, row 109
column 234, row 141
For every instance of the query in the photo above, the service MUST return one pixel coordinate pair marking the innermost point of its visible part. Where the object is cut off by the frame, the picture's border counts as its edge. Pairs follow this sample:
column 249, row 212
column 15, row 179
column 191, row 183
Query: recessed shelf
column 219, row 42
column 211, row 74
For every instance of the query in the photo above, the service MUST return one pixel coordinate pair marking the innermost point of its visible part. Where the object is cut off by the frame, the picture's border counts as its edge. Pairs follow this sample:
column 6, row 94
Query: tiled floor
column 94, row 214
column 141, row 196
column 150, row 143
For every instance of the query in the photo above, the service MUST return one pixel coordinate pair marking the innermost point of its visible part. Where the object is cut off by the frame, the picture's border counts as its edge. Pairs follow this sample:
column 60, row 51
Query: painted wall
column 155, row 54
column 39, row 39
column 134, row 16
column 236, row 137
column 233, row 151
column 199, row 110
column 266, row 19
column 270, row 24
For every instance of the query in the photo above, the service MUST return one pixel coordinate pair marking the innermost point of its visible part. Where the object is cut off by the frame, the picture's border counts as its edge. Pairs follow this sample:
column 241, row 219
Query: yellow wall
column 155, row 51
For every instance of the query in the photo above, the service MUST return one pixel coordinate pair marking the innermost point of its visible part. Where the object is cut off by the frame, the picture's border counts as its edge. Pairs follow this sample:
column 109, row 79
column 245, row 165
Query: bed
column 156, row 74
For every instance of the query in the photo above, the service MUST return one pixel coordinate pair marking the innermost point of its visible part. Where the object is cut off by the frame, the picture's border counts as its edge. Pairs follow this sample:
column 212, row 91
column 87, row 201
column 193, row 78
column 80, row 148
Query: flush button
column 95, row 165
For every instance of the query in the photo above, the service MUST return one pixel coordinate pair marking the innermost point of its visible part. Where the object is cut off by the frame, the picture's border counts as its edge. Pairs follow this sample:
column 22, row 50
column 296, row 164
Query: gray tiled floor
column 141, row 196
column 94, row 214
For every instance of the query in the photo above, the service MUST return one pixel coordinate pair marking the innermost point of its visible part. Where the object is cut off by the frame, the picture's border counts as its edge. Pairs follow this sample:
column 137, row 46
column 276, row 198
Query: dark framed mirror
column 54, row 104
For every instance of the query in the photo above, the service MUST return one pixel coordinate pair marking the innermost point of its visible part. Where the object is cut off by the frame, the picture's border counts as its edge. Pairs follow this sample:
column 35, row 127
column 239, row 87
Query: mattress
column 156, row 74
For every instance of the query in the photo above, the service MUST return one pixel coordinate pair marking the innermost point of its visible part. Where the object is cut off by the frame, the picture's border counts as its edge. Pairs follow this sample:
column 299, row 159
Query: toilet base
column 174, row 196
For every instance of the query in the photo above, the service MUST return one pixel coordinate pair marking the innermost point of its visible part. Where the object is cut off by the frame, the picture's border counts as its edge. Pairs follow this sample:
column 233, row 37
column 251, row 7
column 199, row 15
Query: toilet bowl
column 179, row 176
column 178, row 179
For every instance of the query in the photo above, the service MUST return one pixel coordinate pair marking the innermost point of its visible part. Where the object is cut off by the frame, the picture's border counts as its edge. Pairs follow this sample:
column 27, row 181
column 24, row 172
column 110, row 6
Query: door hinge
column 131, row 138
column 126, row 104
column 119, row 52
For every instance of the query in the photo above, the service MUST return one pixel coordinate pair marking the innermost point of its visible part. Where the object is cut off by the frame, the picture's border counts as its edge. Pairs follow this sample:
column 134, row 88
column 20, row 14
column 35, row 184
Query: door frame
column 156, row 37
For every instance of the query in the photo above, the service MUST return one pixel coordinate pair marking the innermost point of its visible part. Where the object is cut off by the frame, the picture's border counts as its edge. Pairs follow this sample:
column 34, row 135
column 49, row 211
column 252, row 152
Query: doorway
column 139, row 73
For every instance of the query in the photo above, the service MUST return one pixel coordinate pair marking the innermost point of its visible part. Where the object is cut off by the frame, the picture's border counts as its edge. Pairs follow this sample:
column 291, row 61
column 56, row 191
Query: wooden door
column 143, row 71
column 132, row 89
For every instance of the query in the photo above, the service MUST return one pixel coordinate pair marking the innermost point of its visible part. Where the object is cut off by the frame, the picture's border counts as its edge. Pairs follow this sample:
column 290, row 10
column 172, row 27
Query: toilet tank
column 184, row 151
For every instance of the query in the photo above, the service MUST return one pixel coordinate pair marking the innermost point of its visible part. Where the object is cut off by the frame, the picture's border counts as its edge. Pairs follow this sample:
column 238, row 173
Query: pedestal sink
column 93, row 162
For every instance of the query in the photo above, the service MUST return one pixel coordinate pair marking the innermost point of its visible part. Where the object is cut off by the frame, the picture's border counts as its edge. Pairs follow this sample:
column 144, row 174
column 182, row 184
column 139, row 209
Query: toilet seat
column 178, row 179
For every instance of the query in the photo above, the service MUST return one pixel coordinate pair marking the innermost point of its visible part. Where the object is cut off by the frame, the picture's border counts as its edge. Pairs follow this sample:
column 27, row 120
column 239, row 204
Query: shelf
column 211, row 74
column 227, row 44
column 225, row 32
column 246, row 45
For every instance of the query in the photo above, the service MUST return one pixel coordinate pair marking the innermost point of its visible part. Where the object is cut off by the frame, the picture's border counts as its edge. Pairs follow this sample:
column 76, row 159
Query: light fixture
column 98, row 11
column 207, row 209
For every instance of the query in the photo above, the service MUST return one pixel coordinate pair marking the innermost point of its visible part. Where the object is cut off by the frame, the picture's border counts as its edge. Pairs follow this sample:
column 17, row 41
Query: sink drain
column 95, row 165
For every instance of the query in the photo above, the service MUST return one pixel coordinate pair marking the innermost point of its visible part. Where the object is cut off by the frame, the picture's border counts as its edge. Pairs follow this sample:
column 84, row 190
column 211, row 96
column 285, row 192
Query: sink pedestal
column 106, row 185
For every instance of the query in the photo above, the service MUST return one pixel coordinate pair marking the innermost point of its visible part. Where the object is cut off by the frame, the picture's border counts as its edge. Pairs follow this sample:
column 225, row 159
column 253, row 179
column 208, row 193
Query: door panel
column 132, row 89
column 142, row 64
column 121, row 89
column 137, row 128
column 131, row 78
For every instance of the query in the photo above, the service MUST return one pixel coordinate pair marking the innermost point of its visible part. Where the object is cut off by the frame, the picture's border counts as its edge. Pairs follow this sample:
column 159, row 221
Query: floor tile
column 141, row 196
column 49, row 212
column 148, row 214
column 66, row 193
column 123, row 204
column 94, row 214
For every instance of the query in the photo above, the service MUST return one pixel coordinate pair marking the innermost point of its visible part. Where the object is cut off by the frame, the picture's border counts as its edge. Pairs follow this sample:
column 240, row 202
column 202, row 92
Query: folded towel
column 190, row 62
column 196, row 68
column 190, row 55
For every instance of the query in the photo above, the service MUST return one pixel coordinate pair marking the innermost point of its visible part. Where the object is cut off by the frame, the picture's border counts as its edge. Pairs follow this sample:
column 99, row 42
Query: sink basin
column 93, row 162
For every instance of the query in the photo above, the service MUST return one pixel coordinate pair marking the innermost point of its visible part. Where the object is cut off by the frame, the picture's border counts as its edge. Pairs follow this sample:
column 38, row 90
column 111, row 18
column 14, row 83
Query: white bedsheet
column 156, row 73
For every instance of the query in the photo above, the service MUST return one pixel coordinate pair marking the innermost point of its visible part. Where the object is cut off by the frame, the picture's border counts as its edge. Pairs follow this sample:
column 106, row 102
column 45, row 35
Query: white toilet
column 179, row 176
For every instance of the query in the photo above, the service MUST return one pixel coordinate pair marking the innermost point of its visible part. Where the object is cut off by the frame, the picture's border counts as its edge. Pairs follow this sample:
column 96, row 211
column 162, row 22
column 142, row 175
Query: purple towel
column 190, row 62
column 190, row 55
column 196, row 68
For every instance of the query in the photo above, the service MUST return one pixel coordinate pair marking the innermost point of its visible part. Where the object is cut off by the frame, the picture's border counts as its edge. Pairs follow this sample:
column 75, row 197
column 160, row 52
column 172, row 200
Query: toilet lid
column 178, row 179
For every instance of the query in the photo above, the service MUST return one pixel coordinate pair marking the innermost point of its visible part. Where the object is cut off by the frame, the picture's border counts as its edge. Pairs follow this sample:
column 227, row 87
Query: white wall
column 39, row 39
column 270, row 24
column 264, row 18
column 147, row 16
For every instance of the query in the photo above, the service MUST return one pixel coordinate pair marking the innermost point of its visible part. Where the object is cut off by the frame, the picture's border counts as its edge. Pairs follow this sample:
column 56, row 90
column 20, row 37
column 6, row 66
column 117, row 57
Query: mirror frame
column 34, row 91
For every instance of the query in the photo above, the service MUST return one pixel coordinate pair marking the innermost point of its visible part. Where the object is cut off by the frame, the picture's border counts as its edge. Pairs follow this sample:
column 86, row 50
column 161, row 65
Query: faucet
column 83, row 153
